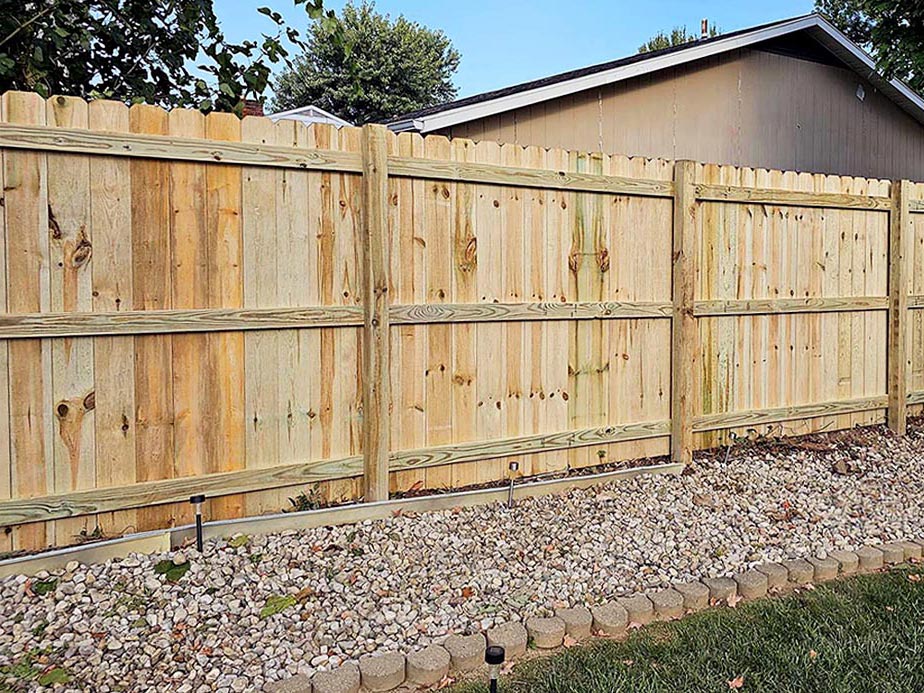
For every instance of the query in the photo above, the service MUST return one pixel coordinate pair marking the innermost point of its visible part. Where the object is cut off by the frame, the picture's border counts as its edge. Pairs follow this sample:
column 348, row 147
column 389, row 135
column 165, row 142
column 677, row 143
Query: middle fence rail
column 200, row 304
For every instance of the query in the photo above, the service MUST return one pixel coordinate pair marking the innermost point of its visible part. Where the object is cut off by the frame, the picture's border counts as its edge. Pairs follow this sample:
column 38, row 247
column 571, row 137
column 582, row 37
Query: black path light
column 513, row 468
column 197, row 501
column 494, row 658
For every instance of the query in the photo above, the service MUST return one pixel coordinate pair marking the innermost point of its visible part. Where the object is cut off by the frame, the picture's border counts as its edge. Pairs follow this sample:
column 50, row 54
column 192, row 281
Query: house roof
column 309, row 114
column 814, row 26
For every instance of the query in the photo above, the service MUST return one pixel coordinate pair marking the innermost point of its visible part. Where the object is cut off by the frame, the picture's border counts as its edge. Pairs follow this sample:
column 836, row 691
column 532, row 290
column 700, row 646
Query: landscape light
column 494, row 658
column 514, row 467
column 197, row 501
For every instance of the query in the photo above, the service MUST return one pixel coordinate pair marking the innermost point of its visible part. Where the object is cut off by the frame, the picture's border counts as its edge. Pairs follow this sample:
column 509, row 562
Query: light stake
column 197, row 501
column 494, row 658
column 514, row 467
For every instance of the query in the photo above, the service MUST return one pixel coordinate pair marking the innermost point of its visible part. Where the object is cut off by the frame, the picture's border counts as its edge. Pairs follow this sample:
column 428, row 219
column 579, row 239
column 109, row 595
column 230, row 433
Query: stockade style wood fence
column 243, row 309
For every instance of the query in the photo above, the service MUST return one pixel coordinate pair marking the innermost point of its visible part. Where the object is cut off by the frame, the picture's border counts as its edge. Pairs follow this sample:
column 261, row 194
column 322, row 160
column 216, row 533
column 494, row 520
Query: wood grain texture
column 376, row 340
column 683, row 328
column 760, row 417
column 796, row 198
column 156, row 493
column 146, row 146
column 497, row 174
column 789, row 305
column 899, row 237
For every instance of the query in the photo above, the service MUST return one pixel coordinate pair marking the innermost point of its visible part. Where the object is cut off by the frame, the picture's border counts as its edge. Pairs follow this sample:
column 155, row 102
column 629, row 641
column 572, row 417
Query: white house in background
column 310, row 114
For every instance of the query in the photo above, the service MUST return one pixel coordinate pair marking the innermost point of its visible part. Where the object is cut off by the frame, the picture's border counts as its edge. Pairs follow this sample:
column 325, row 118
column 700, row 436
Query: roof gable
column 781, row 35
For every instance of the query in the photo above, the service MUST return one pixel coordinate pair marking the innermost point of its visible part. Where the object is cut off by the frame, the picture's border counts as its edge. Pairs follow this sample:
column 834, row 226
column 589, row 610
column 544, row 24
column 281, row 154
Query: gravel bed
column 408, row 581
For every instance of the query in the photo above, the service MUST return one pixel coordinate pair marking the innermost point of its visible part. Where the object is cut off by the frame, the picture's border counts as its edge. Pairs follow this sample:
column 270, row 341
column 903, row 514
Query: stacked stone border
column 462, row 654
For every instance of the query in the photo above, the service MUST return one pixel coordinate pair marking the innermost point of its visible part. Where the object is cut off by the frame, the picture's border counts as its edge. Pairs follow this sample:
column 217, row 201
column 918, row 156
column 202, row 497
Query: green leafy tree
column 678, row 36
column 141, row 51
column 381, row 68
column 891, row 30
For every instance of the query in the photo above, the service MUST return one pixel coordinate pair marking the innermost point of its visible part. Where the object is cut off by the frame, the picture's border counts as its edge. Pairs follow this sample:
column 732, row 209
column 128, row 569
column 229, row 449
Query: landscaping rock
column 801, row 572
column 300, row 683
column 639, row 608
column 382, row 672
column 871, row 559
column 695, row 595
column 892, row 554
column 578, row 621
column 825, row 568
column 847, row 561
column 466, row 652
column 546, row 633
column 777, row 575
column 752, row 584
column 668, row 604
column 610, row 619
column 429, row 666
column 511, row 636
column 721, row 589
column 344, row 679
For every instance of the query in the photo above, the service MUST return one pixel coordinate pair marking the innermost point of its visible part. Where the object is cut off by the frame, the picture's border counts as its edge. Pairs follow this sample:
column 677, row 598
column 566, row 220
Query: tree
column 140, row 51
column 677, row 37
column 383, row 68
column 892, row 31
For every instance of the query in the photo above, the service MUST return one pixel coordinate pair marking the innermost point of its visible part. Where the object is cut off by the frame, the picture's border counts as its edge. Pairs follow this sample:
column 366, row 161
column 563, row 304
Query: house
column 796, row 94
column 310, row 114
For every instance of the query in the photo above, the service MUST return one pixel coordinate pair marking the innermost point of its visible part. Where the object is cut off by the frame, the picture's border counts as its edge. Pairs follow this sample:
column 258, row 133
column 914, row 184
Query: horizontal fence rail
column 256, row 310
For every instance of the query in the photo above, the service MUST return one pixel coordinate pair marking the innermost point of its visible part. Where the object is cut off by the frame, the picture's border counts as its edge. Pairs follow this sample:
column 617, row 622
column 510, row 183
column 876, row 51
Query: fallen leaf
column 890, row 608
column 634, row 626
column 733, row 600
column 416, row 486
column 569, row 641
column 808, row 586
column 914, row 577
column 737, row 682
column 467, row 592
column 506, row 668
column 445, row 683
column 812, row 654
column 628, row 662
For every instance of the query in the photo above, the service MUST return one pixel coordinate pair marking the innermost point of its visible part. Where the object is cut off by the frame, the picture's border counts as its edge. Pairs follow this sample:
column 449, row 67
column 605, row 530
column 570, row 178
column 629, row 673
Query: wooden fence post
column 683, row 325
column 899, row 227
column 376, row 338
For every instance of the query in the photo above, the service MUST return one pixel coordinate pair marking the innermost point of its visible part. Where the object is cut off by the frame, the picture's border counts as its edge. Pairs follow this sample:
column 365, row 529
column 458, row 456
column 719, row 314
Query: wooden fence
column 240, row 308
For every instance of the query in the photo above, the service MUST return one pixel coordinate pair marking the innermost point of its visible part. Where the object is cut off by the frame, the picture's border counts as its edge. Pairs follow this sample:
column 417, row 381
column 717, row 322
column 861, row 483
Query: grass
column 860, row 634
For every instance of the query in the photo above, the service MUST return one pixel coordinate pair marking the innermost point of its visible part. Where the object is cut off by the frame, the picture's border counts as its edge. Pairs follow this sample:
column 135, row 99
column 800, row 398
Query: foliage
column 170, row 570
column 891, row 30
column 306, row 500
column 678, row 36
column 43, row 587
column 238, row 541
column 138, row 51
column 382, row 68
column 53, row 676
column 277, row 604
column 855, row 634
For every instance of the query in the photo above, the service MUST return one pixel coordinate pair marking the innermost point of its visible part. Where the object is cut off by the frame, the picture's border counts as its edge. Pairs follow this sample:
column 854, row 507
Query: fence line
column 194, row 303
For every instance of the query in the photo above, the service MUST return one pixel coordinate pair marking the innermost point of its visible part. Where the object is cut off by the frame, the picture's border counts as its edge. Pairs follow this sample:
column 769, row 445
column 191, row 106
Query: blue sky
column 503, row 42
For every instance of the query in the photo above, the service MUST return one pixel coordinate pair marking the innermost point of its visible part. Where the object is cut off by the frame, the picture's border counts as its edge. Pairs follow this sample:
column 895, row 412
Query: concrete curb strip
column 752, row 584
column 427, row 667
column 511, row 636
column 639, row 608
column 466, row 652
column 695, row 595
column 800, row 571
column 578, row 621
column 668, row 604
column 610, row 619
column 382, row 672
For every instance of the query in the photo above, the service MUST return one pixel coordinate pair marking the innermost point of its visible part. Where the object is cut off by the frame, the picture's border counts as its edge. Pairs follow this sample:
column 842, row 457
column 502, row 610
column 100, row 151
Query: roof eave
column 830, row 35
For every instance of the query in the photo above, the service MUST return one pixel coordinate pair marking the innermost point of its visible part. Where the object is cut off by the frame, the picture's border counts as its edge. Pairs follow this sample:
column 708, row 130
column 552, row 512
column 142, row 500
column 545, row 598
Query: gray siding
column 747, row 108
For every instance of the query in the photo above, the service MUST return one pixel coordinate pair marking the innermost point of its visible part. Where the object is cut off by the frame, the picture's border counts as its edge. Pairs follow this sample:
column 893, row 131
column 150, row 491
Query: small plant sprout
column 514, row 467
column 197, row 501
column 494, row 658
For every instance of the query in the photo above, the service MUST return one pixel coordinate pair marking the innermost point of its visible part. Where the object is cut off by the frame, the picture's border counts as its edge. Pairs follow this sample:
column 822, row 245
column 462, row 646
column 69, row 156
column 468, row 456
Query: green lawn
column 860, row 634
